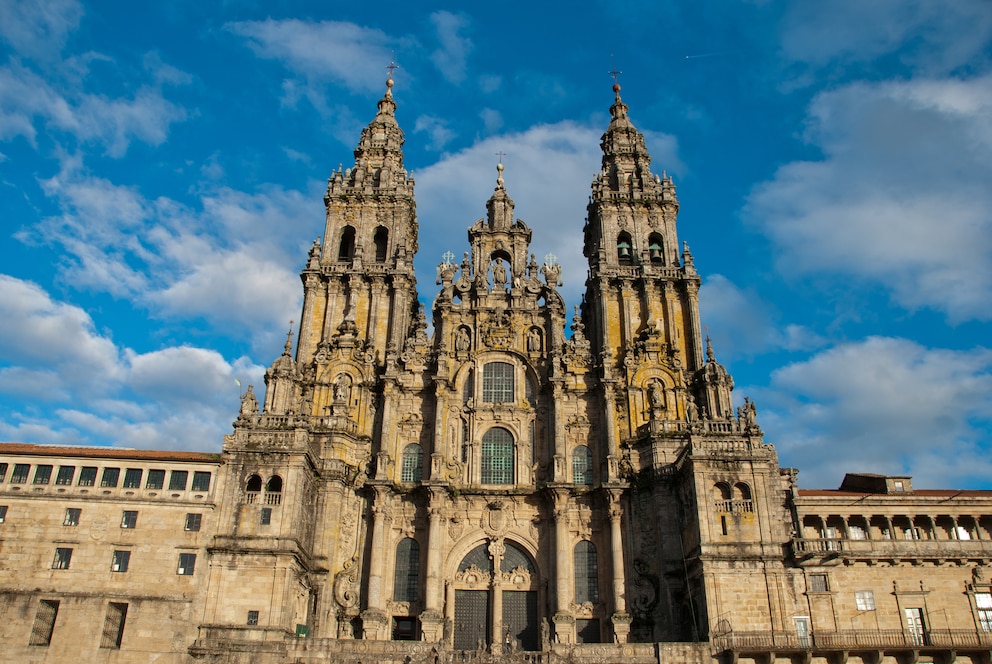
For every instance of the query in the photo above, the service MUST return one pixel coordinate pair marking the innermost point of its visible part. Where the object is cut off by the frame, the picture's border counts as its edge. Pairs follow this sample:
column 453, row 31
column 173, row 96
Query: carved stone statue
column 499, row 274
column 534, row 340
column 342, row 389
column 249, row 404
column 462, row 340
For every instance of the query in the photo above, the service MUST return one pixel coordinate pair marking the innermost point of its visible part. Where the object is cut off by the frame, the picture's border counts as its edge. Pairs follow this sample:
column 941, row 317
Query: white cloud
column 492, row 119
column 337, row 51
column 901, row 197
column 436, row 128
column 171, row 398
column 932, row 36
column 451, row 58
column 741, row 323
column 545, row 166
column 883, row 405
column 39, row 29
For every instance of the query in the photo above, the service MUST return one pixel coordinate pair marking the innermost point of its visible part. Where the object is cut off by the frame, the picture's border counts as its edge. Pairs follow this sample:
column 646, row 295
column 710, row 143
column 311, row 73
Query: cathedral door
column 520, row 619
column 471, row 619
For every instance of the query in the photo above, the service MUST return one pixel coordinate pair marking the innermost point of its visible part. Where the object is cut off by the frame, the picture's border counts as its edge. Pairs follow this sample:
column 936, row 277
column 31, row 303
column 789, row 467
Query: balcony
column 929, row 641
column 815, row 551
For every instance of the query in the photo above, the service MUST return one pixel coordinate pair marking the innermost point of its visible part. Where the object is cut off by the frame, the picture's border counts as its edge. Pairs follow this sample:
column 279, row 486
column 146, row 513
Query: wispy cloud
column 39, row 29
column 901, row 197
column 451, row 57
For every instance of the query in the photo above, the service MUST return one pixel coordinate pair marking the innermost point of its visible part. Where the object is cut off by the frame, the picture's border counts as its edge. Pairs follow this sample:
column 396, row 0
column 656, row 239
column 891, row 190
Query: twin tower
column 502, row 483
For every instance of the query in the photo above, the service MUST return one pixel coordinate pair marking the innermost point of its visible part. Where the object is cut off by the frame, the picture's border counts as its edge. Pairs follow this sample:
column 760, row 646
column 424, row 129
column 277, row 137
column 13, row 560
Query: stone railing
column 734, row 506
column 803, row 548
column 851, row 639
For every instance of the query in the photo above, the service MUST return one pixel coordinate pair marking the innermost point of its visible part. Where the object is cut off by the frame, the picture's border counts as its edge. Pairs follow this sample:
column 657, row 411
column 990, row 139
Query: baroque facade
column 494, row 490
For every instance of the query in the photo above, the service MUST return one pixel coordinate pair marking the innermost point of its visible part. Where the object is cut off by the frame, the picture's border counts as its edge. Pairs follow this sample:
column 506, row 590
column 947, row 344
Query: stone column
column 432, row 620
column 304, row 342
column 620, row 618
column 609, row 403
column 496, row 550
column 564, row 621
column 695, row 343
column 375, row 622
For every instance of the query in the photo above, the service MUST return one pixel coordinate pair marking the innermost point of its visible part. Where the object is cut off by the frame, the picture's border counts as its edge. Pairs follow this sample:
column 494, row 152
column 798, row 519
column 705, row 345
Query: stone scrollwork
column 518, row 576
column 474, row 576
column 346, row 590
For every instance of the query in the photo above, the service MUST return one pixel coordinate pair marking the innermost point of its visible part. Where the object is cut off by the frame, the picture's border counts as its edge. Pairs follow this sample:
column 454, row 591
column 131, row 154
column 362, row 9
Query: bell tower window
column 381, row 241
column 655, row 250
column 347, row 247
column 625, row 251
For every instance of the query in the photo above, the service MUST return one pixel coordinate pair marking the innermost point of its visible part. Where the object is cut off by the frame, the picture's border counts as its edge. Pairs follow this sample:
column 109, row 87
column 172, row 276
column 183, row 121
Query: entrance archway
column 496, row 607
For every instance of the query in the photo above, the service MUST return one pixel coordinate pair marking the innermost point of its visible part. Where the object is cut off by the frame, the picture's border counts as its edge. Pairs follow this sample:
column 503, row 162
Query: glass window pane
column 201, row 481
column 497, row 383
column 132, row 478
column 497, row 457
column 413, row 463
column 156, row 479
column 177, row 481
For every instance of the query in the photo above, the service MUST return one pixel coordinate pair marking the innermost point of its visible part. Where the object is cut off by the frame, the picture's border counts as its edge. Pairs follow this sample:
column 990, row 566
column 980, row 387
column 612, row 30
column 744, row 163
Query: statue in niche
column 342, row 389
column 462, row 340
column 656, row 395
column 534, row 340
column 499, row 274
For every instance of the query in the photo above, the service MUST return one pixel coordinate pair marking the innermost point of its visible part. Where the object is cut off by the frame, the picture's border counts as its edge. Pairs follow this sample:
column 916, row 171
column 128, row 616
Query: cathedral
column 524, row 483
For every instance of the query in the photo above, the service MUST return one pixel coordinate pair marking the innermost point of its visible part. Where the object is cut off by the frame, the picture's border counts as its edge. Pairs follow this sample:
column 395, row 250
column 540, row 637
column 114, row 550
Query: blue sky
column 163, row 164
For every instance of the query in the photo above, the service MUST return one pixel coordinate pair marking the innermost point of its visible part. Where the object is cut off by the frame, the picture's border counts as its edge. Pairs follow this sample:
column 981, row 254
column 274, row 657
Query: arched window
column 347, row 247
column 412, row 469
column 274, row 485
column 721, row 491
column 743, row 491
column 655, row 248
column 586, row 573
column 254, row 484
column 625, row 250
column 406, row 579
column 381, row 241
column 582, row 465
column 497, row 383
column 497, row 457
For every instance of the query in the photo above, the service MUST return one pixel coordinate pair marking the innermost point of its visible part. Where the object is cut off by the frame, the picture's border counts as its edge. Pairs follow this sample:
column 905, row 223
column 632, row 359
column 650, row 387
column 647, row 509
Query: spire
column 288, row 348
column 626, row 162
column 379, row 155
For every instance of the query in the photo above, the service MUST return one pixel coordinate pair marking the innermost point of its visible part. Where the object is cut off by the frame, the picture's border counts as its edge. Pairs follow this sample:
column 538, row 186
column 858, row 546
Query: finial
column 499, row 170
column 389, row 79
column 287, row 349
column 615, row 73
column 709, row 347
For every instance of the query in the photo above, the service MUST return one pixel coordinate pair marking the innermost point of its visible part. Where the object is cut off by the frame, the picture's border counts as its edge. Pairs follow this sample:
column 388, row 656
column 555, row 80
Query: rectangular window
column 62, row 558
column 253, row 617
column 20, row 474
column 201, row 481
column 113, row 626
column 3, row 513
column 42, row 474
column 121, row 561
column 177, row 481
column 3, row 471
column 129, row 519
column 132, row 478
column 266, row 517
column 66, row 473
column 818, row 583
column 87, row 476
column 110, row 477
column 187, row 563
column 497, row 382
column 72, row 516
column 983, row 601
column 44, row 623
column 193, row 522
column 865, row 600
column 156, row 479
column 857, row 533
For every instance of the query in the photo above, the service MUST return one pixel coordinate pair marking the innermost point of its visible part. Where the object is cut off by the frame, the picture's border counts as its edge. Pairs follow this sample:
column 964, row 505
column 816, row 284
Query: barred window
column 405, row 580
column 110, row 477
column 586, row 573
column 497, row 383
column 201, row 481
column 87, row 476
column 497, row 457
column 265, row 518
column 177, row 481
column 413, row 463
column 20, row 474
column 253, row 617
column 65, row 475
column 818, row 583
column 582, row 465
column 156, row 479
column 132, row 478
column 3, row 471
column 44, row 623
column 113, row 626
column 43, row 474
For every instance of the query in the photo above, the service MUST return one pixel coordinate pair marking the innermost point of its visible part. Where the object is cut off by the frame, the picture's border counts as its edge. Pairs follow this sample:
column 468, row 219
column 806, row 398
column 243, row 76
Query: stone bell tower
column 641, row 303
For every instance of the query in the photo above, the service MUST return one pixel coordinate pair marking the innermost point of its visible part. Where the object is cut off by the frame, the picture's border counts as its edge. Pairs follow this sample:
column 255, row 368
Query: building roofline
column 89, row 452
column 931, row 493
